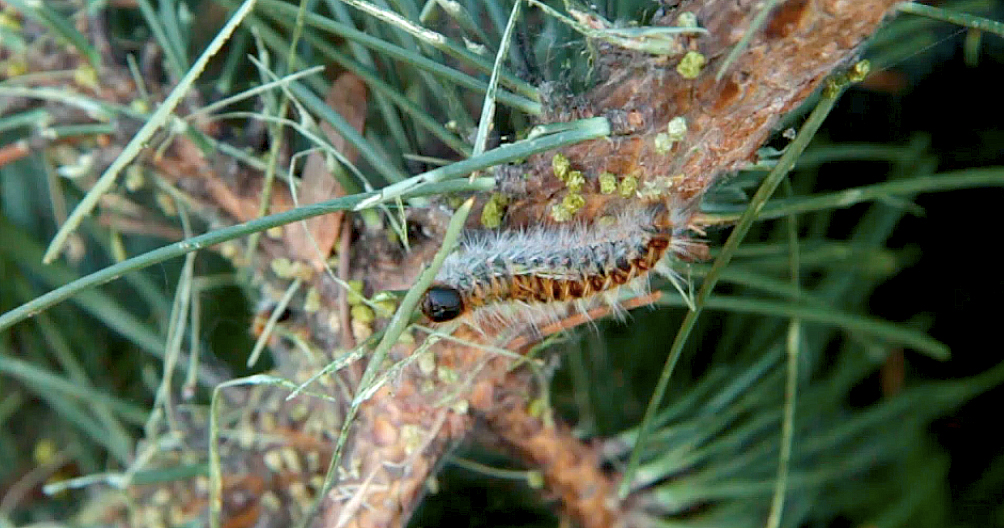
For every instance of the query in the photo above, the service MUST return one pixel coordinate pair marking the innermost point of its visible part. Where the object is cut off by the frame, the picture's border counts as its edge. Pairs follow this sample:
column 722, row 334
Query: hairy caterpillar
column 496, row 272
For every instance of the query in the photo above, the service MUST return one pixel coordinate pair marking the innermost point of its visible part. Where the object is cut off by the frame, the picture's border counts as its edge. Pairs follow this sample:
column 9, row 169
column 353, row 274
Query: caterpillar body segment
column 535, row 274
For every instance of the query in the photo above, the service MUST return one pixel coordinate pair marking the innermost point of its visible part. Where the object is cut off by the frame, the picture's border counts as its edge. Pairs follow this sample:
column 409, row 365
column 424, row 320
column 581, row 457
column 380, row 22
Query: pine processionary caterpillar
column 496, row 272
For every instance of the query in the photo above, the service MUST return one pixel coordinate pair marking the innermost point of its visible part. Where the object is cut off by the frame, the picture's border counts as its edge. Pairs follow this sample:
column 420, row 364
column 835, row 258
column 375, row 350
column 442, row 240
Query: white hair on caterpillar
column 543, row 274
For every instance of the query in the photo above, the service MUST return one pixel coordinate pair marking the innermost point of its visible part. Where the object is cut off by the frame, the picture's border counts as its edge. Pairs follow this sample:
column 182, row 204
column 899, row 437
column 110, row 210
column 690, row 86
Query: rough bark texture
column 276, row 452
column 727, row 120
column 802, row 42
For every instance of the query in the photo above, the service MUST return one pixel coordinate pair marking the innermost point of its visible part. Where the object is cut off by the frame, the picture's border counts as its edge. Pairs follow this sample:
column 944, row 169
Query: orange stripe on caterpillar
column 550, row 265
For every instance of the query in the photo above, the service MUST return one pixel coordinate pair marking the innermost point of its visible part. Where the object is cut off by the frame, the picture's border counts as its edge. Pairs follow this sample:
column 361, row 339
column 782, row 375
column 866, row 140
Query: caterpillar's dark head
column 442, row 303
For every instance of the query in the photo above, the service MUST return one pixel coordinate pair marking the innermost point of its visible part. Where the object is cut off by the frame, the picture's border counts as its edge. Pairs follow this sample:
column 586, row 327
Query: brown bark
column 801, row 44
column 727, row 120
column 572, row 469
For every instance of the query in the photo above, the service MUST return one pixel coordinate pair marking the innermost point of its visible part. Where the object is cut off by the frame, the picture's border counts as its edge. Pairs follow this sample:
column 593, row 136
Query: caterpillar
column 496, row 272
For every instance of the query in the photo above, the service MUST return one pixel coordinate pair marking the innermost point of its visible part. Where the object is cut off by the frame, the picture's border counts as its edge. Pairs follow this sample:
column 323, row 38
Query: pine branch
column 274, row 451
